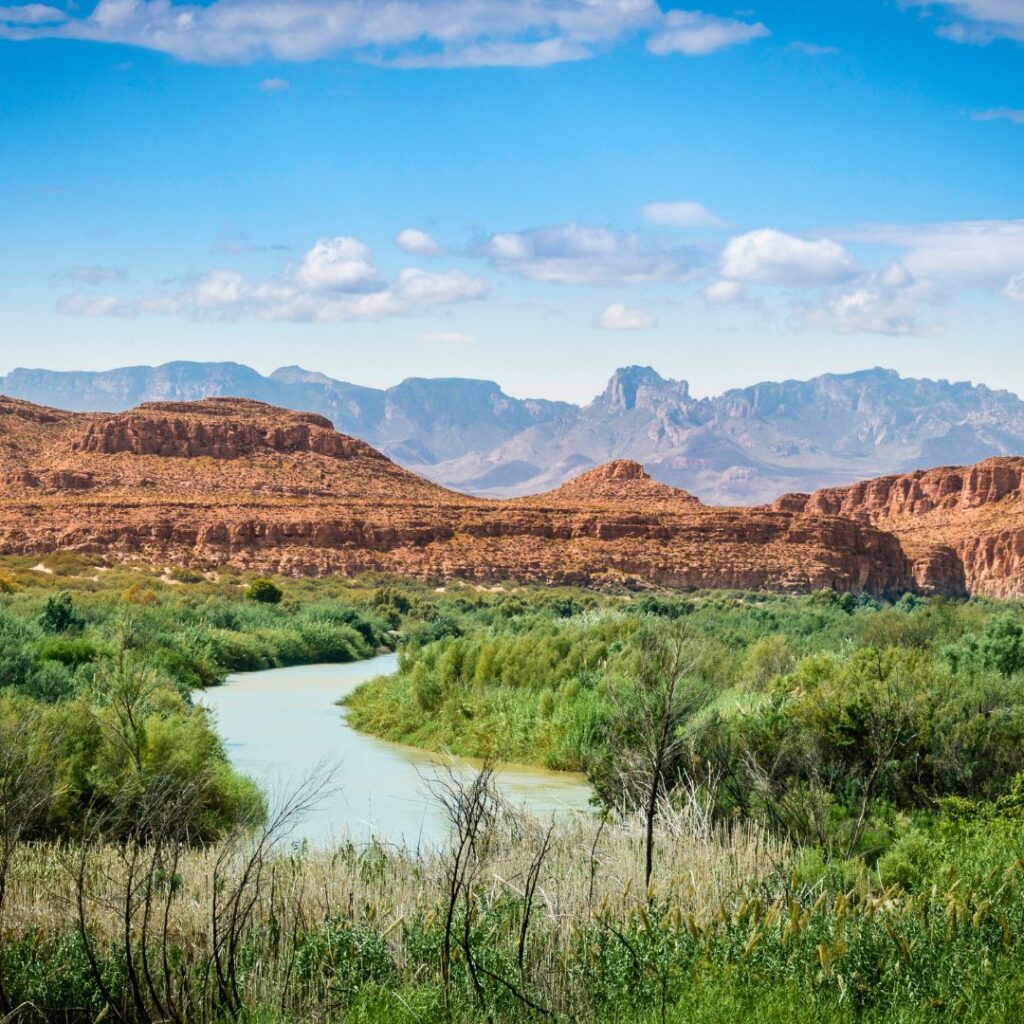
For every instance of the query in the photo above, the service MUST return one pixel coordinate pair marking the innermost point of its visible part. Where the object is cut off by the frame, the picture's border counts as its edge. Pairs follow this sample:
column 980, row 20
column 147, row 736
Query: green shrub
column 59, row 615
column 264, row 592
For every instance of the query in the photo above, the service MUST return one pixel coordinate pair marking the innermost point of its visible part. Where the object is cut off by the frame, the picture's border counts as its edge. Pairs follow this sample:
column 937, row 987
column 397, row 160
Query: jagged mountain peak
column 631, row 387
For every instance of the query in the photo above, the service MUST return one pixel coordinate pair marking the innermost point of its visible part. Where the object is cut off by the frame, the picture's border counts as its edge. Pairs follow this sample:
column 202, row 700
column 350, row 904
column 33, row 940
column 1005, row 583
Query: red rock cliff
column 230, row 481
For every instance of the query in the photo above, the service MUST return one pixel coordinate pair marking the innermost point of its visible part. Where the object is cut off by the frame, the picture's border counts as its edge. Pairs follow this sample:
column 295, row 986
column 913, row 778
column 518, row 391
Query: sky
column 530, row 191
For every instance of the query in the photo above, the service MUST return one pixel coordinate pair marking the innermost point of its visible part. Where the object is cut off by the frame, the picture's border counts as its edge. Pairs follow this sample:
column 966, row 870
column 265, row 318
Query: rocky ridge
column 229, row 481
column 744, row 447
column 962, row 527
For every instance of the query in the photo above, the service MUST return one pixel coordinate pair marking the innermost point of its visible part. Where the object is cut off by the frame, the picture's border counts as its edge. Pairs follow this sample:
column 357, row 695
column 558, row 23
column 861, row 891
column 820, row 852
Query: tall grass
column 733, row 926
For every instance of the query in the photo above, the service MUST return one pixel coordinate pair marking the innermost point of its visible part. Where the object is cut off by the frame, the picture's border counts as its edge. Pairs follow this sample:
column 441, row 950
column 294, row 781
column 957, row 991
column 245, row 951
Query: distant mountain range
column 746, row 446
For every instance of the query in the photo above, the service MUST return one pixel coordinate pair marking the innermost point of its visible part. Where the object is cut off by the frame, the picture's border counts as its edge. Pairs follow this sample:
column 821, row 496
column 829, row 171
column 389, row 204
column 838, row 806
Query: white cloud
column 337, row 263
column 1000, row 114
column 448, row 338
column 446, row 32
column 403, row 33
column 977, row 21
column 723, row 293
column 618, row 317
column 979, row 252
column 335, row 281
column 1015, row 288
column 888, row 301
column 423, row 288
column 680, row 214
column 419, row 243
column 774, row 257
column 91, row 305
column 274, row 84
column 578, row 254
column 695, row 33
column 32, row 14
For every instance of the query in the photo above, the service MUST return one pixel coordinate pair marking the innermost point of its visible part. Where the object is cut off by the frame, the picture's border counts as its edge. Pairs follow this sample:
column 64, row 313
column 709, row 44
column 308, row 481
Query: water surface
column 278, row 725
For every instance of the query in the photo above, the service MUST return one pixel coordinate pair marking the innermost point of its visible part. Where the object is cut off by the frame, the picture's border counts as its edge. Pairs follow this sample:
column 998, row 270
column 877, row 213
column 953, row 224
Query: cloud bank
column 406, row 33
column 977, row 22
column 577, row 254
column 337, row 280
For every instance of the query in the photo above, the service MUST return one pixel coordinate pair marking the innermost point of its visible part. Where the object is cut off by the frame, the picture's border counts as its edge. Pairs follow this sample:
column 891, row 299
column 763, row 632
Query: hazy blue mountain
column 745, row 446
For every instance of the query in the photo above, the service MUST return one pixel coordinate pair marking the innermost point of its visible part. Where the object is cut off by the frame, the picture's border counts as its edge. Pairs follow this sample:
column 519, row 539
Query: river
column 280, row 724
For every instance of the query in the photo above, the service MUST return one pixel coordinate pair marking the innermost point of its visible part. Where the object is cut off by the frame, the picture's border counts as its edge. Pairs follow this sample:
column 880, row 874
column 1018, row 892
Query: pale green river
column 279, row 725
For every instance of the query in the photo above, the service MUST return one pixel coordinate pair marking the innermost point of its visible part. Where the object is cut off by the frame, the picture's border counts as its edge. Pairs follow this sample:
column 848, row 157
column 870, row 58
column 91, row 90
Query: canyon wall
column 236, row 482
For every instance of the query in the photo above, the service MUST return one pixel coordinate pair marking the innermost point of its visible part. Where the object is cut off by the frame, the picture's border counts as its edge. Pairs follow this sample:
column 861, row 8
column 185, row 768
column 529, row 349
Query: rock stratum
column 229, row 481
column 961, row 527
column 233, row 481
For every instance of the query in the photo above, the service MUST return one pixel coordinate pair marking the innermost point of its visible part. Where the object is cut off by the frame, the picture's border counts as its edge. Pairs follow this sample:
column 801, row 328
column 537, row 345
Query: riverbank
column 281, row 725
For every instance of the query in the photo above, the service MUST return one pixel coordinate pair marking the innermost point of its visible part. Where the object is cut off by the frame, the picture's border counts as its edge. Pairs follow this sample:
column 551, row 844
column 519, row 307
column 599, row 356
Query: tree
column 1002, row 644
column 264, row 591
column 59, row 615
column 663, row 693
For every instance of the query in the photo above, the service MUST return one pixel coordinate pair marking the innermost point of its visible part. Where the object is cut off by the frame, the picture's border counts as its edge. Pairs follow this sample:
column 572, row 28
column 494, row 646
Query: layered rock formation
column 962, row 527
column 227, row 481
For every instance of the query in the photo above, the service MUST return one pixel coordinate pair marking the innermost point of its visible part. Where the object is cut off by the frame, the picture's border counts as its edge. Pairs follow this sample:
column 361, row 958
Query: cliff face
column 209, row 429
column 962, row 527
column 231, row 481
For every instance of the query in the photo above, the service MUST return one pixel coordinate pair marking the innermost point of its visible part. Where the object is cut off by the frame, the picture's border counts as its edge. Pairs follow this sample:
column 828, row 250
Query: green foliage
column 80, row 659
column 264, row 592
column 827, row 717
column 59, row 615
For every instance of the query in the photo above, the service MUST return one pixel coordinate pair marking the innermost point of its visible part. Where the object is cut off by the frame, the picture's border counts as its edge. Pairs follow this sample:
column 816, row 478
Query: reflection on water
column 279, row 725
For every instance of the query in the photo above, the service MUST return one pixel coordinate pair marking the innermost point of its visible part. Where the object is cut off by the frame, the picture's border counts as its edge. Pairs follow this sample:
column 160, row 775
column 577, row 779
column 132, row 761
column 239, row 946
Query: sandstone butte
column 231, row 481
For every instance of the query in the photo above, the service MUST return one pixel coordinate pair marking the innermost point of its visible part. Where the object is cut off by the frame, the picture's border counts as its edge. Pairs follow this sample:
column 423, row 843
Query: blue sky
column 534, row 192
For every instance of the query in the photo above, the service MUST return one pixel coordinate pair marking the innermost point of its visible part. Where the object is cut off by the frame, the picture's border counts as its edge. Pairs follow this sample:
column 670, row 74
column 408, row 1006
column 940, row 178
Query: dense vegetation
column 97, row 669
column 808, row 807
column 834, row 721
column 538, row 925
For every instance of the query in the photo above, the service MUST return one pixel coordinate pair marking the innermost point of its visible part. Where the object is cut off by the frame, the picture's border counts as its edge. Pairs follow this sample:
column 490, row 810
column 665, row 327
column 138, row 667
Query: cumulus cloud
column 682, row 213
column 889, row 301
column 977, row 21
column 774, row 257
column 695, row 33
column 405, row 33
column 724, row 293
column 979, row 252
column 337, row 264
column 419, row 243
column 414, row 31
column 618, row 317
column 827, row 289
column 578, row 254
column 336, row 280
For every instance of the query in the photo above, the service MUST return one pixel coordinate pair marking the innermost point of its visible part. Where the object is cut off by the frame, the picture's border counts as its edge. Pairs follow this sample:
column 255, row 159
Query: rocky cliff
column 232, row 481
column 962, row 527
